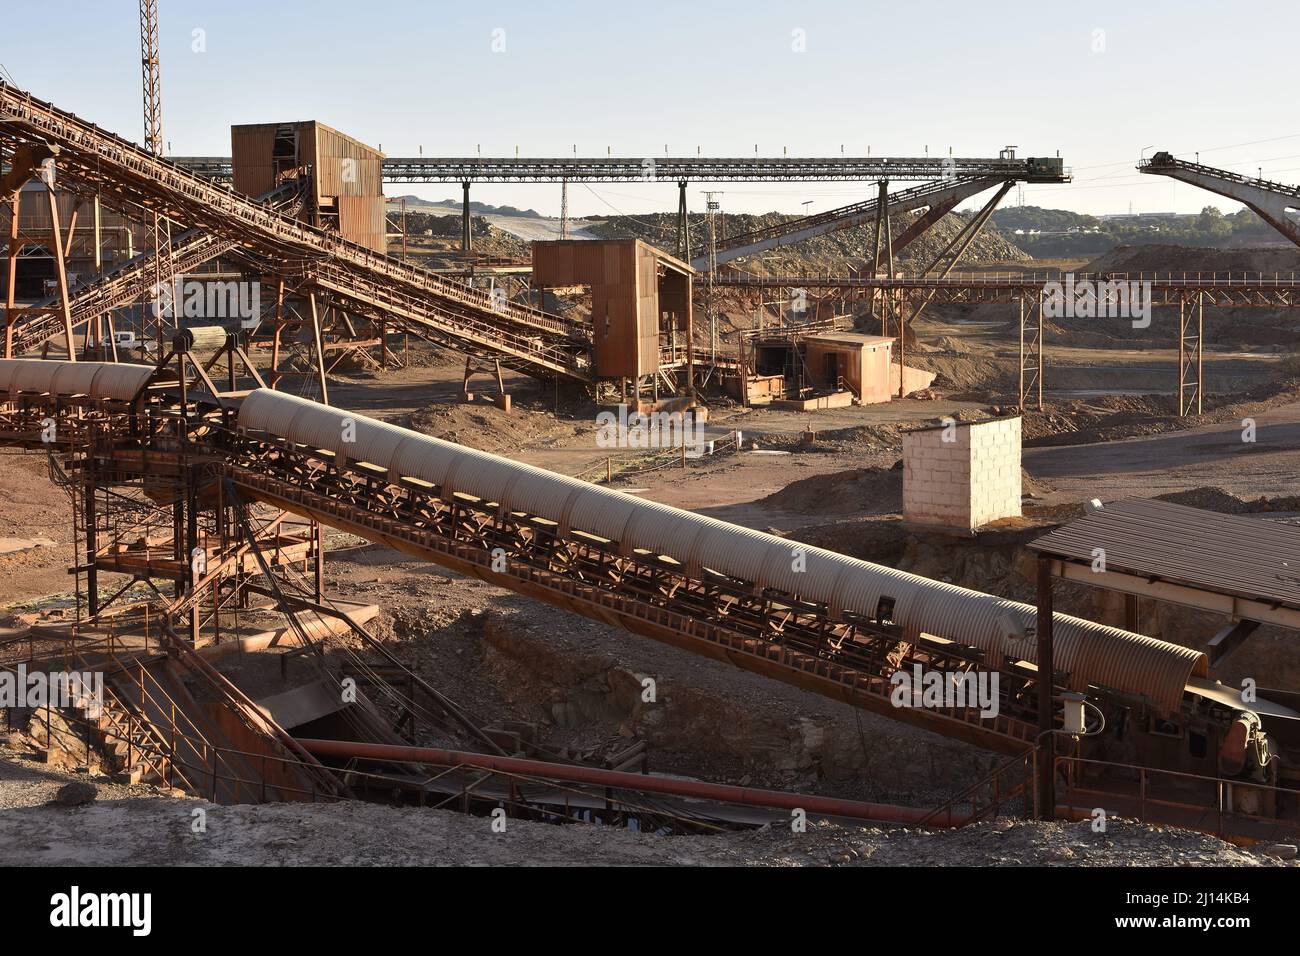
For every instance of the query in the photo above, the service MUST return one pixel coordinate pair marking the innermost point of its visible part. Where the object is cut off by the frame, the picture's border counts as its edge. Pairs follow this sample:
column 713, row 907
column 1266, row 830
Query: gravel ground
column 162, row 831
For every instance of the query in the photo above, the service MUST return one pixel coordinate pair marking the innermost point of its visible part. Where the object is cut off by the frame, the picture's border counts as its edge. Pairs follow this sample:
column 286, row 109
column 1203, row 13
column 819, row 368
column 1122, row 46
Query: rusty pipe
column 722, row 793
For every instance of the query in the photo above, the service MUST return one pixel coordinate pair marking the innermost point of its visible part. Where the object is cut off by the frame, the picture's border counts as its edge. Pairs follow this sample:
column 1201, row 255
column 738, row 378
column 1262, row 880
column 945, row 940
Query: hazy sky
column 1098, row 81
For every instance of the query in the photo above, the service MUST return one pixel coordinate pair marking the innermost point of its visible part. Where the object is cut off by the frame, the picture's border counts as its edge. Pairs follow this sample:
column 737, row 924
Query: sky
column 1101, row 82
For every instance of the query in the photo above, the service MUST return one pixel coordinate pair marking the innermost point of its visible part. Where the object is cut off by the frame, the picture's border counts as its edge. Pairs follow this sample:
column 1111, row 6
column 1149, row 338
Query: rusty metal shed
column 1245, row 568
column 640, row 301
column 347, row 193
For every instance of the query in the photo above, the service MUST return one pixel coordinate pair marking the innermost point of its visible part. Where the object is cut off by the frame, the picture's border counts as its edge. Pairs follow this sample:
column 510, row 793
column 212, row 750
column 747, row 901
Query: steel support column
column 885, row 247
column 273, row 376
column 466, row 240
column 61, row 273
column 1191, row 358
column 318, row 349
column 12, row 273
column 564, row 208
column 958, row 245
column 1031, row 349
column 1045, row 785
column 92, row 539
column 683, row 240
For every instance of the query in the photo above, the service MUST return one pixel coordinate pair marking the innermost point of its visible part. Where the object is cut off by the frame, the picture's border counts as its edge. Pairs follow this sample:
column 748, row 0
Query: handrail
column 1168, row 161
column 967, row 793
column 196, row 739
column 1223, row 787
column 167, row 704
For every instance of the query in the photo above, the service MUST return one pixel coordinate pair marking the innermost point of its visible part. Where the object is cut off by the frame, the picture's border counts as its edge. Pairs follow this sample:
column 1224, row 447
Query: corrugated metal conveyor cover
column 1118, row 658
column 75, row 378
column 377, row 442
column 9, row 369
column 117, row 381
column 120, row 382
column 33, row 375
column 1089, row 652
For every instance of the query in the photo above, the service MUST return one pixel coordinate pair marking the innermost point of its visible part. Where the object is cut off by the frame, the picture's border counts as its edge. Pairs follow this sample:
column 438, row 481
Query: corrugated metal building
column 346, row 175
column 640, row 300
column 852, row 359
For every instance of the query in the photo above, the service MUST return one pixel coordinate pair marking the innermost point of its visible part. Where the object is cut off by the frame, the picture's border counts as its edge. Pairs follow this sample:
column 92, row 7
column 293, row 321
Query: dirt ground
column 127, row 827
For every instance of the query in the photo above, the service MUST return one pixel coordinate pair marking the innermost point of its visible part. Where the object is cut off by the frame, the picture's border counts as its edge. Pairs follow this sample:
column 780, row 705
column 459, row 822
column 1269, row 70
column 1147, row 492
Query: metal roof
column 1223, row 554
column 851, row 338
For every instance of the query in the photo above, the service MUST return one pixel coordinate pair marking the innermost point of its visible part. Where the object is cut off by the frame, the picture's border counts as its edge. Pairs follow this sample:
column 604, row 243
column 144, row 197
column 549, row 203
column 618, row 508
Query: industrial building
column 213, row 461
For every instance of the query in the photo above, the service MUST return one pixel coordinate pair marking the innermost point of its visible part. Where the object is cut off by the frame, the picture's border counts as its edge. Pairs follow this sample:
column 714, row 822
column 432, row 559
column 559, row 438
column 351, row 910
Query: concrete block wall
column 967, row 481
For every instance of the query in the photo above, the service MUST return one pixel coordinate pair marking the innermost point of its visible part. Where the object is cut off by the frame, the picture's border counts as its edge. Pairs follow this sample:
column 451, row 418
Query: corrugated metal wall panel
column 361, row 220
column 251, row 149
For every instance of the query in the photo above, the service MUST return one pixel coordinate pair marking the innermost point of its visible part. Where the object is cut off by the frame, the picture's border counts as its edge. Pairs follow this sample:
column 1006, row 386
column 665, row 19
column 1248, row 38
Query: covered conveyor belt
column 91, row 161
column 843, row 589
column 1278, row 204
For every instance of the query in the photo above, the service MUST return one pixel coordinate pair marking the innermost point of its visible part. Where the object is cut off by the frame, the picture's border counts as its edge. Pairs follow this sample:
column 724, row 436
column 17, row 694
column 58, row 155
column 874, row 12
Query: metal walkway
column 1278, row 204
column 428, row 169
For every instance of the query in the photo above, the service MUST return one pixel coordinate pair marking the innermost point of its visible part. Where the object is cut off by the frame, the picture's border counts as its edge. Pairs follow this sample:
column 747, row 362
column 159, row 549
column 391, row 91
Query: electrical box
column 1073, row 706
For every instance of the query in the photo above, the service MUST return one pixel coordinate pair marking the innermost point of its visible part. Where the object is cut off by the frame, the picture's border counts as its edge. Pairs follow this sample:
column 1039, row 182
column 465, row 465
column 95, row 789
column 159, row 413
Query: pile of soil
column 488, row 428
column 859, row 491
column 1116, row 417
column 1210, row 498
column 829, row 251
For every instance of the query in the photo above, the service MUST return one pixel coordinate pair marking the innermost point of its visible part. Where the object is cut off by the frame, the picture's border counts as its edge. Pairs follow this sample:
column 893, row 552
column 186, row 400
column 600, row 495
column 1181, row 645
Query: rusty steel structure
column 1189, row 292
column 1275, row 203
column 937, row 199
column 196, row 471
column 844, row 630
column 151, row 76
column 387, row 294
column 950, row 181
column 428, row 169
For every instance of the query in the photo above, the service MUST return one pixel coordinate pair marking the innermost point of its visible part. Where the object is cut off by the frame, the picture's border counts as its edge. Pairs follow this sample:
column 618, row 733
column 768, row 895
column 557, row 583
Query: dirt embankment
column 860, row 491
column 1193, row 259
column 489, row 429
column 1115, row 417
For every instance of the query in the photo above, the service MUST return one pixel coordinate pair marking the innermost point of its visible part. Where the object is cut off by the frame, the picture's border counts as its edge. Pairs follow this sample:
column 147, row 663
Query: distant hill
column 1060, row 234
column 415, row 203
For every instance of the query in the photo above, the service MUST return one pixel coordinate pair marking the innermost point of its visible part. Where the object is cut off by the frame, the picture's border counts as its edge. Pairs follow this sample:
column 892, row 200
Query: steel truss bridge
column 672, row 169
column 950, row 181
